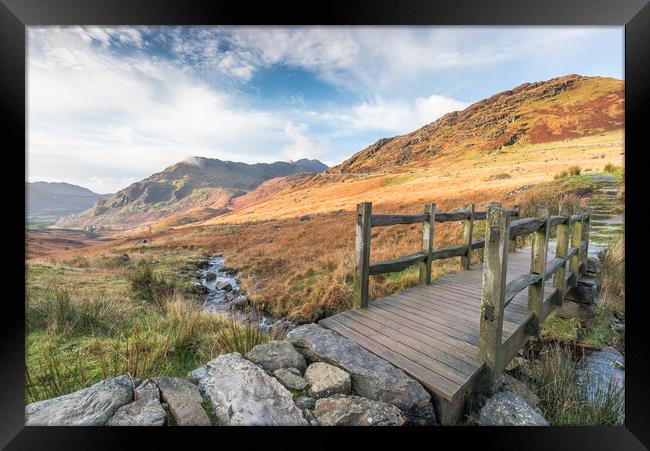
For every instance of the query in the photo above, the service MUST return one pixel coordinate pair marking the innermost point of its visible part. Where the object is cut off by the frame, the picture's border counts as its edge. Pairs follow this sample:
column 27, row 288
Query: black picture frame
column 16, row 15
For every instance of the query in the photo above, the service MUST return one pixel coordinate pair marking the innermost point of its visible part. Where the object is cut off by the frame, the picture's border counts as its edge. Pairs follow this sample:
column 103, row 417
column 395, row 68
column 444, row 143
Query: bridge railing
column 365, row 221
column 565, row 268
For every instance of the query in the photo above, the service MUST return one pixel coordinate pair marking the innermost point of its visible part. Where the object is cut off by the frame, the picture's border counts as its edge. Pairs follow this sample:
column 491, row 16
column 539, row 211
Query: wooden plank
column 465, row 259
column 416, row 317
column 389, row 220
column 516, row 341
column 419, row 342
column 525, row 226
column 462, row 347
column 519, row 283
column 362, row 255
column 558, row 219
column 553, row 265
column 426, row 246
column 433, row 381
column 478, row 244
column 397, row 264
column 448, row 252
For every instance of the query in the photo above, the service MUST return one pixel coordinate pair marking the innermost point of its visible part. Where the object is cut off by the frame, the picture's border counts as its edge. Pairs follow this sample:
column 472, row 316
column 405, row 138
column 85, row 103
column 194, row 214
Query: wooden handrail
column 397, row 264
column 390, row 220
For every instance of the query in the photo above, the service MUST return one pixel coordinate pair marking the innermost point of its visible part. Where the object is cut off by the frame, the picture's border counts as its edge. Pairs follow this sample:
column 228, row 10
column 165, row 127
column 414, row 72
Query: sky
column 111, row 106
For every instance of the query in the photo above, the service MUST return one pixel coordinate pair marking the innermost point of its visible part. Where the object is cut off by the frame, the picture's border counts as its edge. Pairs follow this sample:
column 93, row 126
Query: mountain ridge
column 49, row 201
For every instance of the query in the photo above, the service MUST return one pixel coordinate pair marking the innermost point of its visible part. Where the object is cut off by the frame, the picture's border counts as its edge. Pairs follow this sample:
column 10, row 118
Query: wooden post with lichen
column 362, row 255
column 576, row 238
column 513, row 241
column 586, row 220
column 495, row 265
column 538, row 262
column 427, row 244
column 561, row 251
column 466, row 260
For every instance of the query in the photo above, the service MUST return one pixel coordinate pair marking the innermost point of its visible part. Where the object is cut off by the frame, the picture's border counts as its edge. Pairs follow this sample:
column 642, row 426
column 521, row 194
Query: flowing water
column 223, row 296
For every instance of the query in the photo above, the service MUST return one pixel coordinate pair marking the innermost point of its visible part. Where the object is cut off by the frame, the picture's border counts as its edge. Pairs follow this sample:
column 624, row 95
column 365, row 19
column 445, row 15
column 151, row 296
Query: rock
column 241, row 393
column 305, row 403
column 223, row 284
column 508, row 409
column 516, row 362
column 240, row 302
column 124, row 258
column 183, row 401
column 619, row 314
column 344, row 410
column 593, row 265
column 506, row 382
column 199, row 288
column 290, row 380
column 275, row 355
column 618, row 326
column 209, row 277
column 196, row 375
column 585, row 292
column 144, row 411
column 91, row 406
column 327, row 380
column 571, row 309
column 143, row 241
column 372, row 377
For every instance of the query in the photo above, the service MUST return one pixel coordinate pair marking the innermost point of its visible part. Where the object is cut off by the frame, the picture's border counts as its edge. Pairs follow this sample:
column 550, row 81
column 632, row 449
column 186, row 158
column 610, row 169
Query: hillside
column 47, row 201
column 194, row 183
column 562, row 108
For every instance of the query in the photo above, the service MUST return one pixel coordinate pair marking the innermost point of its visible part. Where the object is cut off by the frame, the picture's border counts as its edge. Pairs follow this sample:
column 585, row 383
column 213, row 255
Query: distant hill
column 196, row 182
column 47, row 201
column 562, row 108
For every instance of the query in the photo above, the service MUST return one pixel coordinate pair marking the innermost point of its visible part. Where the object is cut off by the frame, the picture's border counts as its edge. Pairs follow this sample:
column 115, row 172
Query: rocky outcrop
column 241, row 393
column 92, row 406
column 275, row 355
column 183, row 401
column 508, row 409
column 327, row 380
column 291, row 379
column 144, row 411
column 342, row 410
column 372, row 377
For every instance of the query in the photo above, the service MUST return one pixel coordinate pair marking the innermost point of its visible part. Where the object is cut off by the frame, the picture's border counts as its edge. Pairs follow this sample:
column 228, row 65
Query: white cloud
column 301, row 146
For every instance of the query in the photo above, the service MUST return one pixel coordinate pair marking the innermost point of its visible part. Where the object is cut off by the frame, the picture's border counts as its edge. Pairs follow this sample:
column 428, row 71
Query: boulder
column 584, row 292
column 275, row 355
column 223, row 284
column 91, row 406
column 305, row 403
column 209, row 277
column 571, row 309
column 593, row 265
column 240, row 302
column 290, row 379
column 197, row 374
column 199, row 288
column 144, row 411
column 506, row 382
column 327, row 380
column 344, row 410
column 183, row 401
column 601, row 368
column 372, row 376
column 241, row 393
column 508, row 409
column 124, row 258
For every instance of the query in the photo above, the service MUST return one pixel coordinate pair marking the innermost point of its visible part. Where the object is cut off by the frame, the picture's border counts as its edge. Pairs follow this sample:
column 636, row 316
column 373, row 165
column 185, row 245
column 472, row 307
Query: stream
column 223, row 296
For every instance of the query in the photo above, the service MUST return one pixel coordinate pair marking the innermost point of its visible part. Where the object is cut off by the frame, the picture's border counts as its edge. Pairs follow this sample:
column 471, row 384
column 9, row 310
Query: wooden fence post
column 362, row 255
column 427, row 244
column 576, row 237
column 561, row 250
column 466, row 260
column 513, row 241
column 538, row 263
column 585, row 237
column 495, row 266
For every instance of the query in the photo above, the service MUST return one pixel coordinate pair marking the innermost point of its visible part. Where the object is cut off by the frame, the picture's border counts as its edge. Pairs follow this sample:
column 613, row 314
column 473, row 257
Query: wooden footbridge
column 456, row 334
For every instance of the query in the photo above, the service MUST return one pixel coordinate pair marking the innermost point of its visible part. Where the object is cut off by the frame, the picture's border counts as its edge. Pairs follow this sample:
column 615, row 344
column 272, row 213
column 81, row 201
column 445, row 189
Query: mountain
column 562, row 108
column 50, row 201
column 197, row 182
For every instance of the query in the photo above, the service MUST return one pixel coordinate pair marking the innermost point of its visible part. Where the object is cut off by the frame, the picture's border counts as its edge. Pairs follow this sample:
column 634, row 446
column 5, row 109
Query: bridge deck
column 431, row 331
